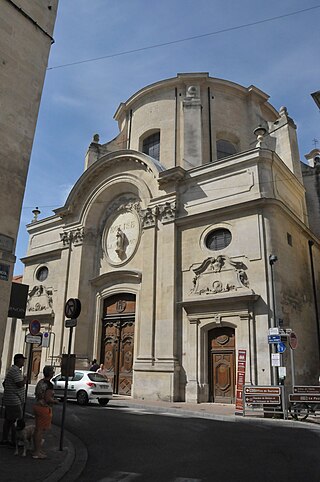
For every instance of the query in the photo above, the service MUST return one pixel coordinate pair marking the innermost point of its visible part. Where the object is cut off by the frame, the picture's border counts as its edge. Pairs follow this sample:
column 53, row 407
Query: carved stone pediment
column 219, row 275
column 40, row 299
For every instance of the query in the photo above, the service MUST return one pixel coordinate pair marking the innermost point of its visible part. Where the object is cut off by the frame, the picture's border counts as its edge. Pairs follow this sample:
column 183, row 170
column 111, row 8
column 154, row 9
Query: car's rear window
column 96, row 377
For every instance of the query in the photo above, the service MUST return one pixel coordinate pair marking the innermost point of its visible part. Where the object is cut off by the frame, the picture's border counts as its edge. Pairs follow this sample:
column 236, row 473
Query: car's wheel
column 82, row 398
column 299, row 411
column 103, row 401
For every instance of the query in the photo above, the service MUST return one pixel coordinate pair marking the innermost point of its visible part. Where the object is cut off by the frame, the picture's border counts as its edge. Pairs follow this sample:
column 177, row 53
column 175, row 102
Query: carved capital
column 149, row 217
column 167, row 212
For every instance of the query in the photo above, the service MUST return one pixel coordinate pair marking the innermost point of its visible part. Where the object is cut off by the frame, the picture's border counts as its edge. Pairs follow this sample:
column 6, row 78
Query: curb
column 75, row 461
column 213, row 416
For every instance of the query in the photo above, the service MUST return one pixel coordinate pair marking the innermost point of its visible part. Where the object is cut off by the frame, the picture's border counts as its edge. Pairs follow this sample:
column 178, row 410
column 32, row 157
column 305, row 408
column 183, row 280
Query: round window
column 218, row 239
column 42, row 273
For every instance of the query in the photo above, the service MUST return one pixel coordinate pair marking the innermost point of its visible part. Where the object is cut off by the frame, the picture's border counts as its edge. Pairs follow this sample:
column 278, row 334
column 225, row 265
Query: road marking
column 120, row 476
column 184, row 479
column 142, row 411
column 129, row 476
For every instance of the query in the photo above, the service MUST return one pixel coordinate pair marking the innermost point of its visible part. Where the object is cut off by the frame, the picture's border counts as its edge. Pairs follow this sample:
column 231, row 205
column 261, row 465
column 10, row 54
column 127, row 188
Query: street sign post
column 72, row 310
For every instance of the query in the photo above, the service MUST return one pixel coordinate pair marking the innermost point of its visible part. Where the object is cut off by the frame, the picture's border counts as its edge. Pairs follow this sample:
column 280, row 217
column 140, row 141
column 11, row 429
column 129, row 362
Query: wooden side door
column 118, row 341
column 222, row 365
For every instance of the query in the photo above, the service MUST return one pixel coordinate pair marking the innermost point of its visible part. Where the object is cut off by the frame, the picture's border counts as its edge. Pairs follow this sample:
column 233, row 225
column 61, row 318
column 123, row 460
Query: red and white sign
column 293, row 340
column 34, row 327
column 241, row 375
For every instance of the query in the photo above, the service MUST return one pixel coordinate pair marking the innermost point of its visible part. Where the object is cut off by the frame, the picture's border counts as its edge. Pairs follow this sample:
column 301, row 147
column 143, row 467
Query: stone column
column 165, row 328
column 146, row 315
column 192, row 349
column 192, row 108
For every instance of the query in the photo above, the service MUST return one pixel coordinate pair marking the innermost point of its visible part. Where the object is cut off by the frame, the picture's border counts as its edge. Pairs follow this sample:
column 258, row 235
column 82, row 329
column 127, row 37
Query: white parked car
column 83, row 387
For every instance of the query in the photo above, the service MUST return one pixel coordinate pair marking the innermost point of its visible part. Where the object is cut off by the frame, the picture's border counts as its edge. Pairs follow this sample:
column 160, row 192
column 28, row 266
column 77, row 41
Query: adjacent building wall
column 26, row 29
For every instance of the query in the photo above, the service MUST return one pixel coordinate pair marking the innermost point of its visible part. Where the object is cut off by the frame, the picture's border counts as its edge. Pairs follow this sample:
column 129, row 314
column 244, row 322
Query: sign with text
column 275, row 359
column 241, row 375
column 35, row 339
column 262, row 399
column 262, row 395
column 262, row 390
column 304, row 397
column 306, row 389
column 274, row 339
column 18, row 300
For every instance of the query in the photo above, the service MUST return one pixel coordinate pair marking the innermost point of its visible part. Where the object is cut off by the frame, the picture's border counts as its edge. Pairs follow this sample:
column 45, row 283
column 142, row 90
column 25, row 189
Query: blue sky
column 280, row 57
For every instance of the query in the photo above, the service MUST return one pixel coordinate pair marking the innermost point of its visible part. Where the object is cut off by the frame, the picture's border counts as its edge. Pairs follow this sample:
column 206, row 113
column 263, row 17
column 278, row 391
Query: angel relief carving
column 219, row 275
column 40, row 299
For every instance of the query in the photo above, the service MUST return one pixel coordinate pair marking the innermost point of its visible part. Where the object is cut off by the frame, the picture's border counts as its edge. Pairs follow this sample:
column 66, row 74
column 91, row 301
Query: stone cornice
column 117, row 277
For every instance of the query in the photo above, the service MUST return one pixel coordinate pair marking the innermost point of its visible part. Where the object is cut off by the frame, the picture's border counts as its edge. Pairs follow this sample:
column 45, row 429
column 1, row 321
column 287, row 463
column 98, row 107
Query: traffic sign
column 274, row 338
column 46, row 339
column 71, row 323
column 293, row 340
column 72, row 308
column 35, row 339
column 281, row 347
column 34, row 327
column 273, row 331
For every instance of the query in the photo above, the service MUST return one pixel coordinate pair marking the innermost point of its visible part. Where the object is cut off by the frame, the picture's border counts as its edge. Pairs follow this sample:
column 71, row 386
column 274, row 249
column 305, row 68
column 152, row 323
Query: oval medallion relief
column 123, row 232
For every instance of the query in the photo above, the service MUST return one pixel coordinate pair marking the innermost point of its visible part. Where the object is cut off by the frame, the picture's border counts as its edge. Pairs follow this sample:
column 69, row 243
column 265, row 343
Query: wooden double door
column 222, row 365
column 118, row 341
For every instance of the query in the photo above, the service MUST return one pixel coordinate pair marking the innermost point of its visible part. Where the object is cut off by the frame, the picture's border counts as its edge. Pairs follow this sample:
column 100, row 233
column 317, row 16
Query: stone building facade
column 166, row 239
column 25, row 40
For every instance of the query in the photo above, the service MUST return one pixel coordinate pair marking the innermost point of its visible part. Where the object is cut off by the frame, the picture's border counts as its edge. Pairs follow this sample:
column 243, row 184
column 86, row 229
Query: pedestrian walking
column 42, row 410
column 13, row 399
column 94, row 366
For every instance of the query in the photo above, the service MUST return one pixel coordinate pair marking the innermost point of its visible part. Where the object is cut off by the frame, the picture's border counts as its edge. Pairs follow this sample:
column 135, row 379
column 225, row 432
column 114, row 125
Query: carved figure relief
column 40, row 299
column 219, row 275
column 122, row 232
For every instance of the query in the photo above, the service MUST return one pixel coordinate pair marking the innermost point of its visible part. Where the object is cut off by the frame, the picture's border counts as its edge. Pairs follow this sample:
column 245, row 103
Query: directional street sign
column 274, row 338
column 35, row 339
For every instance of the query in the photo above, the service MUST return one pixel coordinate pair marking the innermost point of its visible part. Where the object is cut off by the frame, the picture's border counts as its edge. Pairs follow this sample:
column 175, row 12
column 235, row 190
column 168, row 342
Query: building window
column 225, row 149
column 289, row 239
column 42, row 273
column 151, row 145
column 218, row 239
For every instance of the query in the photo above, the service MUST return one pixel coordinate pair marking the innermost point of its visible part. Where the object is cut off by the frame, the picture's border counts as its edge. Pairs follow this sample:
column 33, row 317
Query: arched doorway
column 117, row 342
column 222, row 364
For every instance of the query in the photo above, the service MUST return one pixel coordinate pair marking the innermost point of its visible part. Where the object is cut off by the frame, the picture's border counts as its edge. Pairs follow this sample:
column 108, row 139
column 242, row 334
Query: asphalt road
column 135, row 445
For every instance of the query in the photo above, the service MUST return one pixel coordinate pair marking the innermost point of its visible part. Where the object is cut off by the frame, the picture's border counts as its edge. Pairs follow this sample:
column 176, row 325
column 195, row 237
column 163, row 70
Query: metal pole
column 272, row 260
column 65, row 392
column 28, row 377
column 292, row 368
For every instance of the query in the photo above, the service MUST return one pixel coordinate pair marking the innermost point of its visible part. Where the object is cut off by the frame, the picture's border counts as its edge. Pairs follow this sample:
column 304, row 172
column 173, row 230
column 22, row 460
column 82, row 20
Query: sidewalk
column 68, row 464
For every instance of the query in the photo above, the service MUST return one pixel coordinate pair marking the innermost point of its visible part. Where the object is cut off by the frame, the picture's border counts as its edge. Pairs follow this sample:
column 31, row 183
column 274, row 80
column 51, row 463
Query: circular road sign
column 72, row 308
column 281, row 347
column 34, row 327
column 293, row 340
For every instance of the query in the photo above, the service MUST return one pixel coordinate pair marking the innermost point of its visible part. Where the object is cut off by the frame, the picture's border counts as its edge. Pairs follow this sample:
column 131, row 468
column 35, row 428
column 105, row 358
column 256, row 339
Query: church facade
column 186, row 239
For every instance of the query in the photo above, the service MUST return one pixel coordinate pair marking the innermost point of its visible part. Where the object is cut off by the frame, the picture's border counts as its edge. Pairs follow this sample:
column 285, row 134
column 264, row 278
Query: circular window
column 218, row 239
column 42, row 273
